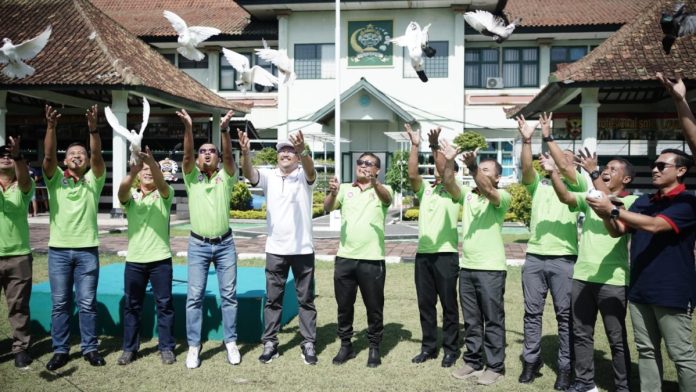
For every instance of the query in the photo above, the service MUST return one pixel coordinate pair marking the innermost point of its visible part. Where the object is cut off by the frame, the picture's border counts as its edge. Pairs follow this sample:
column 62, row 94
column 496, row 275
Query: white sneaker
column 192, row 360
column 233, row 355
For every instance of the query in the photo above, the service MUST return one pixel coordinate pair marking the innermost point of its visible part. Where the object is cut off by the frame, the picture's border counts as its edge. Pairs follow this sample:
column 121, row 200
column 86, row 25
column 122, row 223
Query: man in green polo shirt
column 73, row 254
column 437, row 264
column 209, row 190
column 360, row 257
column 600, row 277
column 15, row 253
column 483, row 266
column 149, row 257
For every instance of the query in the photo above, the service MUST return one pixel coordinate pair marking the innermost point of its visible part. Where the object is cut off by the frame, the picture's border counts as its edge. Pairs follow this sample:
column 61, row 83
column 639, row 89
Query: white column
column 544, row 60
column 213, row 68
column 335, row 218
column 216, row 140
column 283, row 90
column 3, row 117
column 456, row 70
column 589, row 105
column 119, row 159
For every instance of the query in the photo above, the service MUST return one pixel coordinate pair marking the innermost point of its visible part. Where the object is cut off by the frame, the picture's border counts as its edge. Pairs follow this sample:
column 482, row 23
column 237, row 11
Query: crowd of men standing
column 635, row 254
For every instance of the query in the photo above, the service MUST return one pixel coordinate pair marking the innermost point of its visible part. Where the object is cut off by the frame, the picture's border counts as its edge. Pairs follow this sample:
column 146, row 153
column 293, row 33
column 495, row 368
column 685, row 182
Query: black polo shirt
column 662, row 264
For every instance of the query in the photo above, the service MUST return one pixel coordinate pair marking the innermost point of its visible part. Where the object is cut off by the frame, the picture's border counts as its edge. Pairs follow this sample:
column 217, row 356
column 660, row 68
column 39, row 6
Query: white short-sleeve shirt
column 288, row 211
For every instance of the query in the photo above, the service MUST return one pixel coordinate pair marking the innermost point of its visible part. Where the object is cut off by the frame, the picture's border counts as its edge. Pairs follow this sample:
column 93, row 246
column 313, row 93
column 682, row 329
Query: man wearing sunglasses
column 360, row 256
column 209, row 190
column 288, row 191
column 600, row 275
column 662, row 288
column 482, row 267
column 15, row 253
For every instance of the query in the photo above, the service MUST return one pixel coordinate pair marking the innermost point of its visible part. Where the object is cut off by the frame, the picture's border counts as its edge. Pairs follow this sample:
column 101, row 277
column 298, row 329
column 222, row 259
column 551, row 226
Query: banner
column 367, row 43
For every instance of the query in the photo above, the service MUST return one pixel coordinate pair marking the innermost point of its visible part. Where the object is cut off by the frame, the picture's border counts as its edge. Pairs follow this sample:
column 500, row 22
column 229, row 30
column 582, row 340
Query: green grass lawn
column 401, row 343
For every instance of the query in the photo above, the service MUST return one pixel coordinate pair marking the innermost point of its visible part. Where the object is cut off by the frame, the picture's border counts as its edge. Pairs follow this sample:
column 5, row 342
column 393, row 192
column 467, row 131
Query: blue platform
column 251, row 297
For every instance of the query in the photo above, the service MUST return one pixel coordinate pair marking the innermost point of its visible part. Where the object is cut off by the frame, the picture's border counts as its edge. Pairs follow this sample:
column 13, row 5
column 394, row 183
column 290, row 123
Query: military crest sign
column 368, row 43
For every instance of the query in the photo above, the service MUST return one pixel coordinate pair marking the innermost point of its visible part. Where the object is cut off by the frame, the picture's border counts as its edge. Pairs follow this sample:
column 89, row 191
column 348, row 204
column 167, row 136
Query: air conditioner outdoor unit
column 494, row 83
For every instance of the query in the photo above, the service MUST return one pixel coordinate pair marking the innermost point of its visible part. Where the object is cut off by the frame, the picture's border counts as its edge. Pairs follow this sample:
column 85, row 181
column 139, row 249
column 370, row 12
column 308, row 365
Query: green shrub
column 241, row 197
column 250, row 214
column 470, row 140
column 520, row 205
column 318, row 198
column 411, row 214
column 317, row 210
column 267, row 156
column 397, row 174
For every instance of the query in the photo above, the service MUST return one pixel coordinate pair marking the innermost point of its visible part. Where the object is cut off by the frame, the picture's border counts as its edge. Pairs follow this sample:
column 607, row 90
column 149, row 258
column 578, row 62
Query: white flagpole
column 337, row 99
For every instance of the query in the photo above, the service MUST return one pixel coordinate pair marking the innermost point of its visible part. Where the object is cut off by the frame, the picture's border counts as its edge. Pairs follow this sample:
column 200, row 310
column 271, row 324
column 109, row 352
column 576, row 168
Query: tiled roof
column 542, row 13
column 88, row 49
column 144, row 17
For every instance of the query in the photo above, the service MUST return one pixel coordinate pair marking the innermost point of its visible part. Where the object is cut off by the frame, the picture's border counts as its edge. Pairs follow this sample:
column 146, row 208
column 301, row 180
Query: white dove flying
column 135, row 138
column 248, row 76
column 190, row 37
column 278, row 59
column 416, row 40
column 490, row 25
column 15, row 55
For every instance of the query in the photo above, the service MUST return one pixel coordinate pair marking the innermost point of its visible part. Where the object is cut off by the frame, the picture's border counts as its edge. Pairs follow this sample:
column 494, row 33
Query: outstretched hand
column 525, row 129
column 297, row 141
column 414, row 136
column 449, row 151
column 185, row 118
column 225, row 120
column 13, row 146
column 587, row 160
column 434, row 136
column 469, row 157
column 333, row 186
column 52, row 116
column 676, row 89
column 91, row 115
column 547, row 163
column 244, row 142
column 545, row 122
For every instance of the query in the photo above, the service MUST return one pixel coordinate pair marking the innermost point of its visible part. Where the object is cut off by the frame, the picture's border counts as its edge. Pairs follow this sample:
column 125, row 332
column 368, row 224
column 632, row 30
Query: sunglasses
column 661, row 165
column 360, row 162
column 207, row 150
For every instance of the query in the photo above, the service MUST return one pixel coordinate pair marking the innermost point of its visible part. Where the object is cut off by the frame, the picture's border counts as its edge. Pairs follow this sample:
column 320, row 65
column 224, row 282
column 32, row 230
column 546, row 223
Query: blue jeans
column 78, row 267
column 224, row 257
column 135, row 279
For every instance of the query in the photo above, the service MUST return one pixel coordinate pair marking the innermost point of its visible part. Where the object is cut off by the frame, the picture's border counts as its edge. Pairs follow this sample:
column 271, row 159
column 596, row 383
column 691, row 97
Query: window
column 436, row 66
column 501, row 151
column 185, row 63
column 566, row 54
column 520, row 67
column 480, row 65
column 228, row 75
column 314, row 61
column 171, row 57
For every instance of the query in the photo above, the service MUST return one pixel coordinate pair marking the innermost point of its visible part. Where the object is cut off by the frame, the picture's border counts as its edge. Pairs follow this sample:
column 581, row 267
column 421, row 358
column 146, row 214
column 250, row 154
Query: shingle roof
column 541, row 13
column 144, row 18
column 88, row 49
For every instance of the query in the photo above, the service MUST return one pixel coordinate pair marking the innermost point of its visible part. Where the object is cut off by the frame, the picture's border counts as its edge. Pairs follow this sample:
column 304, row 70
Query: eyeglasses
column 360, row 162
column 661, row 165
column 207, row 150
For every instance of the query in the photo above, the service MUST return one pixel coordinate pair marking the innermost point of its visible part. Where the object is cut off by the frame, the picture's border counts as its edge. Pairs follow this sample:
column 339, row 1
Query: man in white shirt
column 288, row 191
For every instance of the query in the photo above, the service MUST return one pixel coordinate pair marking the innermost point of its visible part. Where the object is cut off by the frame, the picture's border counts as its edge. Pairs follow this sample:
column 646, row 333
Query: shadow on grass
column 58, row 374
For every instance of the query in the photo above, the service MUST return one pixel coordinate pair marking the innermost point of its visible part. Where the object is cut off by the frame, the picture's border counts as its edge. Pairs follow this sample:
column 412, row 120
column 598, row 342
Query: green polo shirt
column 148, row 226
column 73, row 208
column 553, row 227
column 209, row 201
column 601, row 259
column 437, row 219
column 362, row 222
column 14, row 224
column 482, row 225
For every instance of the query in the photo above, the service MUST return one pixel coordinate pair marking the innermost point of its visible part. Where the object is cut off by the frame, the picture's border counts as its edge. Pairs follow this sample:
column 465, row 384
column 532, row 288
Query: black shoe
column 127, row 357
column 562, row 380
column 423, row 356
column 344, row 354
column 167, row 357
column 22, row 359
column 94, row 358
column 449, row 360
column 373, row 358
column 530, row 371
column 57, row 361
column 270, row 352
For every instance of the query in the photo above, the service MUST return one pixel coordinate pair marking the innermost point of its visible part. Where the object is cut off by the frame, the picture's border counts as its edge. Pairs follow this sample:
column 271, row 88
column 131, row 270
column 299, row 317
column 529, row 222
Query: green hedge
column 251, row 214
column 411, row 214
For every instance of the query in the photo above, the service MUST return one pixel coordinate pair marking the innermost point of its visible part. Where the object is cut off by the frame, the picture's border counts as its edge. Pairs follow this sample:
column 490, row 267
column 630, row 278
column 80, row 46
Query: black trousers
column 368, row 275
column 436, row 276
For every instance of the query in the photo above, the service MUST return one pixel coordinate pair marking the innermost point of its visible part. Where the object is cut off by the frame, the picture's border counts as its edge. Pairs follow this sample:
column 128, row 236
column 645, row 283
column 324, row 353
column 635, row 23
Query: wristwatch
column 304, row 153
column 595, row 174
column 434, row 146
column 225, row 130
column 614, row 214
column 547, row 138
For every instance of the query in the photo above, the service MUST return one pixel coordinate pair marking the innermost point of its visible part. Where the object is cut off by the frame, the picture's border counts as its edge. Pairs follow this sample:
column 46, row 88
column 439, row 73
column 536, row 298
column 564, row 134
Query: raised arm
column 526, row 132
column 21, row 168
column 566, row 170
column 189, row 155
column 124, row 189
column 588, row 161
column 558, row 186
column 484, row 182
column 330, row 200
column 450, row 152
column 248, row 171
column 382, row 193
column 678, row 92
column 95, row 144
column 227, row 156
column 156, row 172
column 413, row 177
column 50, row 161
column 297, row 140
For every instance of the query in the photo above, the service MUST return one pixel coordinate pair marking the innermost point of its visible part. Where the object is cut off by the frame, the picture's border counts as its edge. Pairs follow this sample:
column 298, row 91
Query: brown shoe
column 465, row 372
column 490, row 377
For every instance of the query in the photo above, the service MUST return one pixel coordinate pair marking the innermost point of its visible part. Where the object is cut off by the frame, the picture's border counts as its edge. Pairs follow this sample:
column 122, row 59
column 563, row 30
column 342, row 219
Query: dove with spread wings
column 135, row 138
column 15, row 55
column 248, row 76
column 416, row 40
column 278, row 59
column 491, row 25
column 190, row 37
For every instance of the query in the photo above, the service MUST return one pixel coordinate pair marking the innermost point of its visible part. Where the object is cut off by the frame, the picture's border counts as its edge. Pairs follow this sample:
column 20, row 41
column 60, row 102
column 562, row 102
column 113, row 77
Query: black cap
column 4, row 151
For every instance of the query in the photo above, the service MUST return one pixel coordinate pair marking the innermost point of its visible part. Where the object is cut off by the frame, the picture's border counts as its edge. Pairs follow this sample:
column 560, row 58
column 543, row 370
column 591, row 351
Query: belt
column 213, row 240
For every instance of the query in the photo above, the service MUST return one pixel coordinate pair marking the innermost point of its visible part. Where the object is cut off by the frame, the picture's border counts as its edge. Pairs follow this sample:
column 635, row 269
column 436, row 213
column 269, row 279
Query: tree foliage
column 520, row 205
column 267, row 156
column 397, row 174
column 470, row 140
column 241, row 197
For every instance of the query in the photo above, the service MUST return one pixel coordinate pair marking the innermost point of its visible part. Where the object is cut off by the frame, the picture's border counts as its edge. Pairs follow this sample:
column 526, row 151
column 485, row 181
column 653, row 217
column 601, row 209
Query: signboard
column 367, row 43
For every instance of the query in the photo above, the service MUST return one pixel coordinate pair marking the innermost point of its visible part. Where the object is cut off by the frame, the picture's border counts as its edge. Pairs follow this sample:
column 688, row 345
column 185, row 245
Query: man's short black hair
column 629, row 169
column 369, row 154
column 681, row 159
column 77, row 144
column 498, row 167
